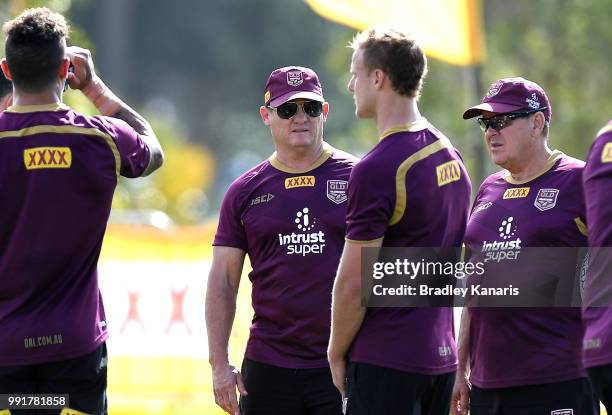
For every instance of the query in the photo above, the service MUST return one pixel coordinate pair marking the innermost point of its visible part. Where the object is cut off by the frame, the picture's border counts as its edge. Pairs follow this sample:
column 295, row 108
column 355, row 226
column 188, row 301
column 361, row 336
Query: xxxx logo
column 47, row 158
column 516, row 193
column 448, row 173
column 300, row 181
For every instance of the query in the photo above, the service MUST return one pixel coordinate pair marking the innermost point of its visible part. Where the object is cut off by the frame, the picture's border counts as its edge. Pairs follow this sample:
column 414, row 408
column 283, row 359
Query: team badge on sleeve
column 546, row 199
column 337, row 191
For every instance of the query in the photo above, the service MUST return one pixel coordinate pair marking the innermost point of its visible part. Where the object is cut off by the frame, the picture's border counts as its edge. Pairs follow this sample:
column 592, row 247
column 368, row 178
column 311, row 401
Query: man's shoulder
column 495, row 178
column 249, row 177
column 570, row 164
column 342, row 157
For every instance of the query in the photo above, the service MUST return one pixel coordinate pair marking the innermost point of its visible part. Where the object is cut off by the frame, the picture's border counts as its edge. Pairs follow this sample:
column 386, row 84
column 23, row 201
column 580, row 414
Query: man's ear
column 538, row 122
column 379, row 78
column 325, row 110
column 63, row 69
column 5, row 69
column 265, row 115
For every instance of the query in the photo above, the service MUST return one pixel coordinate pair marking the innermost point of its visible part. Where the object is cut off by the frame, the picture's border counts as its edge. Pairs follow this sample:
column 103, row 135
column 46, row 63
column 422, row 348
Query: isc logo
column 262, row 199
column 516, row 193
column 47, row 158
column 448, row 173
column 300, row 181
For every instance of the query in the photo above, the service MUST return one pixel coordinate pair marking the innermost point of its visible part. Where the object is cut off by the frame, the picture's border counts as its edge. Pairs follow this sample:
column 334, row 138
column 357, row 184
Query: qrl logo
column 47, row 158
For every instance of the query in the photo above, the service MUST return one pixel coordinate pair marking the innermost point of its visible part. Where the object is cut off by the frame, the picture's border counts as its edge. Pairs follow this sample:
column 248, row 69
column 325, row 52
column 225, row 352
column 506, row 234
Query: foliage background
column 197, row 69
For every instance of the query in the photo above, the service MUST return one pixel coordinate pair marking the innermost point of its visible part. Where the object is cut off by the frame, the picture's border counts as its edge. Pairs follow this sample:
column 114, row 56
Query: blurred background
column 196, row 70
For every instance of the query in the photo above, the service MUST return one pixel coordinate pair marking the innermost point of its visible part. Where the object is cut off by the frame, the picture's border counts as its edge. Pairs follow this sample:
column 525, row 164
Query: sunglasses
column 501, row 121
column 289, row 109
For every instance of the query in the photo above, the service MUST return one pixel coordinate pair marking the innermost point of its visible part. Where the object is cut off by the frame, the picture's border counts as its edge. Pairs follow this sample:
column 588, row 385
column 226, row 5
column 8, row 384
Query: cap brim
column 294, row 95
column 497, row 107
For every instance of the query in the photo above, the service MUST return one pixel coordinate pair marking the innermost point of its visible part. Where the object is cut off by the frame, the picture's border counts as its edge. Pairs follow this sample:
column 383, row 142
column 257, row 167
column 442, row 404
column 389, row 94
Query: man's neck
column 393, row 110
column 531, row 165
column 299, row 158
column 49, row 96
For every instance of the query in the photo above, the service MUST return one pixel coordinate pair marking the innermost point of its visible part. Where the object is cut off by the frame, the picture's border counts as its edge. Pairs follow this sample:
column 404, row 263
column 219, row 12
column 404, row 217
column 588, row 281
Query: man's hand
column 83, row 66
column 225, row 381
column 460, row 399
column 338, row 371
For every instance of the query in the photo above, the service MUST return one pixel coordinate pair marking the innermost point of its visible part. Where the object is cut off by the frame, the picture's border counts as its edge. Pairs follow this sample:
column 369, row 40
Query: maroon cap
column 292, row 82
column 512, row 94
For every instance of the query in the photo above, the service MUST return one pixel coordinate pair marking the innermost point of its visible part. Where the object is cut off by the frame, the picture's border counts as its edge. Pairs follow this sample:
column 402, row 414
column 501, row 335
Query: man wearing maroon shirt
column 58, row 170
column 597, row 180
column 287, row 213
column 396, row 360
column 522, row 360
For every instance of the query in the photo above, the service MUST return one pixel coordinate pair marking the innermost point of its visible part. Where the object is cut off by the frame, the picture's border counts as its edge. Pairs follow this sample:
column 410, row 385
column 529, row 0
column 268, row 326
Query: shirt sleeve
column 371, row 200
column 597, row 176
column 230, row 231
column 133, row 150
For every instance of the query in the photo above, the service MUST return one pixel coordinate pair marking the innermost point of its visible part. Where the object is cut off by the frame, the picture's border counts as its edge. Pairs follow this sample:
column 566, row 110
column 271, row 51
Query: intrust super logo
column 47, row 158
column 448, row 173
column 516, row 193
column 304, row 241
column 508, row 248
column 299, row 181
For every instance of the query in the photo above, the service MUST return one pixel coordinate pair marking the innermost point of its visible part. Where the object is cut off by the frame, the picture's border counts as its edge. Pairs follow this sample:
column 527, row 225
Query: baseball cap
column 512, row 94
column 291, row 82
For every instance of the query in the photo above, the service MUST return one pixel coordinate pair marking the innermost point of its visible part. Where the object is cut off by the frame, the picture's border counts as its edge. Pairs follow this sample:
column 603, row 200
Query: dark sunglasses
column 501, row 121
column 289, row 109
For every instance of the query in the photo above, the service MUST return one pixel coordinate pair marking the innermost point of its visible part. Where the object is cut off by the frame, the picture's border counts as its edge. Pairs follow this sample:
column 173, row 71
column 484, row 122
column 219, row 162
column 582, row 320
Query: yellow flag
column 449, row 30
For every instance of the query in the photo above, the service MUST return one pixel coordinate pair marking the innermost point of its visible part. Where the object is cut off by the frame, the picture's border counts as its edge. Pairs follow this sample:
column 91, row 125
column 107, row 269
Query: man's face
column 511, row 144
column 362, row 87
column 299, row 131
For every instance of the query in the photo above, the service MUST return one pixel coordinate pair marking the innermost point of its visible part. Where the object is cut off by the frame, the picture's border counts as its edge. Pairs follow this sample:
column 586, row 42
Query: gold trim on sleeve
column 364, row 242
column 581, row 226
column 402, row 171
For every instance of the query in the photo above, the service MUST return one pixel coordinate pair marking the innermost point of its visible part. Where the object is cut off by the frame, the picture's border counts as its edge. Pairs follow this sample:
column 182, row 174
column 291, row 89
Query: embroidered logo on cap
column 533, row 101
column 267, row 96
column 295, row 78
column 494, row 89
